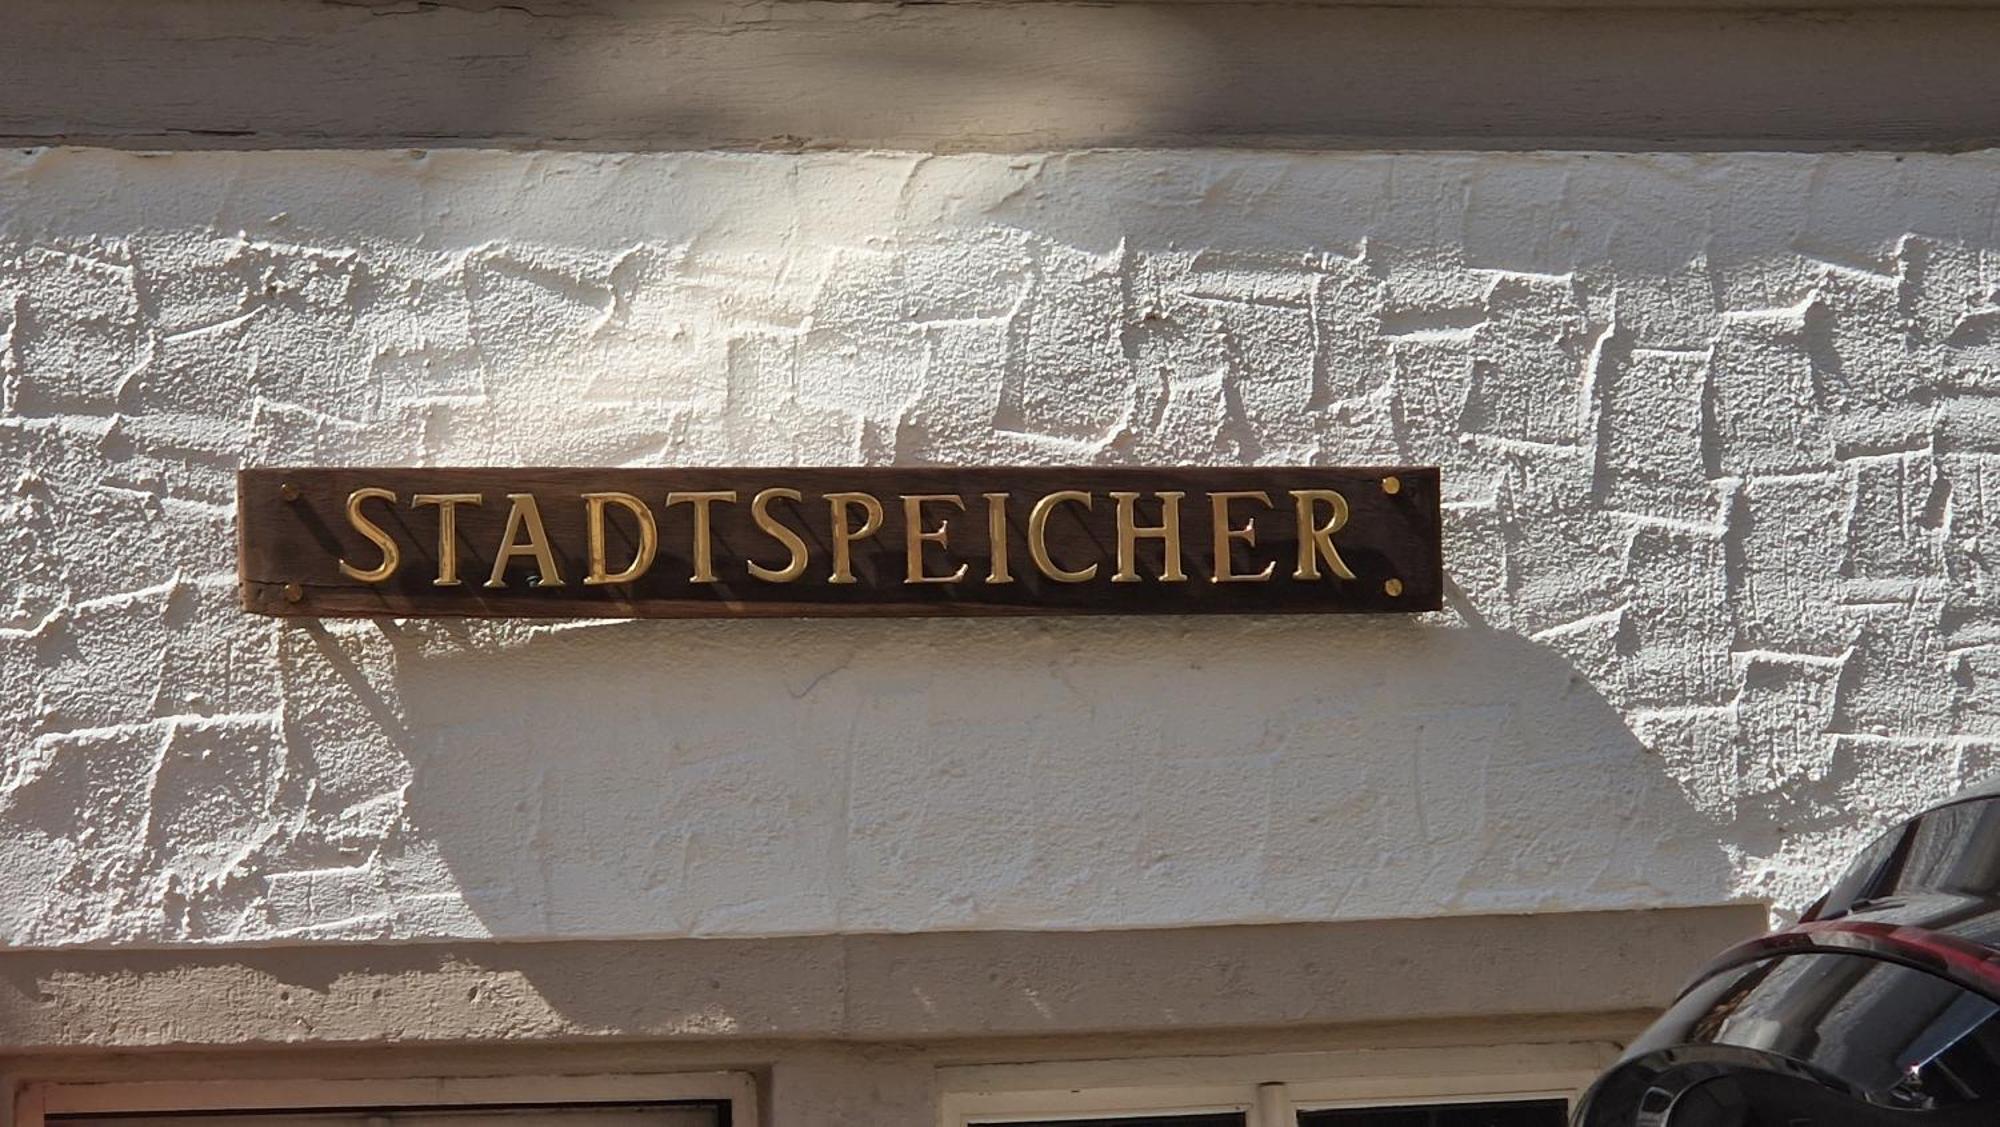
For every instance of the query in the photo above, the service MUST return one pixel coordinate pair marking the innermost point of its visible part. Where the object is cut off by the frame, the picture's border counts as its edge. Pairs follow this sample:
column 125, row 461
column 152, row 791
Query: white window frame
column 1269, row 1089
column 36, row 1100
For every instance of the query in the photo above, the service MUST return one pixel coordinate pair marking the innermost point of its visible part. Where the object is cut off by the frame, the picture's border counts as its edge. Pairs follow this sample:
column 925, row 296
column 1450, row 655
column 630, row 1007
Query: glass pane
column 1508, row 1113
column 1216, row 1119
column 655, row 1115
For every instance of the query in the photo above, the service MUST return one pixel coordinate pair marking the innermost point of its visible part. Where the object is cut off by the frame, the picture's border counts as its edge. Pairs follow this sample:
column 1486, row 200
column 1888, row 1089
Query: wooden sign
column 702, row 543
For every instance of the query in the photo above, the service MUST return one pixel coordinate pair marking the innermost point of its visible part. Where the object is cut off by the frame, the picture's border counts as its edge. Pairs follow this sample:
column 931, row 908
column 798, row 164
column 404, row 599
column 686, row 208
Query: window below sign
column 666, row 1100
column 1474, row 1113
column 1478, row 1113
column 1469, row 1086
column 1230, row 1119
column 643, row 1115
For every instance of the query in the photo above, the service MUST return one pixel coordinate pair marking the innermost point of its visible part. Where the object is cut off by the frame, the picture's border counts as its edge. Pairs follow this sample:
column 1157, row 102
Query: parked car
column 1880, row 1008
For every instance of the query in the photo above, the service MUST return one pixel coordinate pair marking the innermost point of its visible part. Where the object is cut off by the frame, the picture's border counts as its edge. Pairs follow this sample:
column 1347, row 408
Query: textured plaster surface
column 883, row 988
column 1720, row 437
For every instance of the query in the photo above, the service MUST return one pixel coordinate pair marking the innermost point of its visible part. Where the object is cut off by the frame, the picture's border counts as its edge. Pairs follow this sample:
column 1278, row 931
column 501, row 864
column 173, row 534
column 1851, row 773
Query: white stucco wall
column 1721, row 448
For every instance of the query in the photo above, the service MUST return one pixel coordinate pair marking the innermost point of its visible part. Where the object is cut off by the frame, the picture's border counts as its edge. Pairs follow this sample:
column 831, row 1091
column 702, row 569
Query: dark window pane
column 1218, row 1119
column 1512, row 1113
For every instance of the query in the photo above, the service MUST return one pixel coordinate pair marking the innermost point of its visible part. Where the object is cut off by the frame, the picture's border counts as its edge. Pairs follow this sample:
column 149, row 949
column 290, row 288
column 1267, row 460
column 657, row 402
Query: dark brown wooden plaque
column 796, row 542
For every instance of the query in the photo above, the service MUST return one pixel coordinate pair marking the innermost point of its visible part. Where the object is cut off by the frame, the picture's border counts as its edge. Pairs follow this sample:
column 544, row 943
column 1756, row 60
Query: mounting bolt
column 288, row 491
column 1392, row 484
column 294, row 593
column 1393, row 587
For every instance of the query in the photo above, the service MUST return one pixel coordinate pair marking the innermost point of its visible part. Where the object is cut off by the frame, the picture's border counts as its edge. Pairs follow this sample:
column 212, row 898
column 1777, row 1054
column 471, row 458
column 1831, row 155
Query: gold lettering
column 996, row 535
column 525, row 514
column 1224, row 533
column 1038, row 536
column 649, row 537
column 704, row 535
column 1316, row 540
column 1168, row 531
column 844, row 536
column 915, row 536
column 392, row 553
column 447, row 506
column 760, row 512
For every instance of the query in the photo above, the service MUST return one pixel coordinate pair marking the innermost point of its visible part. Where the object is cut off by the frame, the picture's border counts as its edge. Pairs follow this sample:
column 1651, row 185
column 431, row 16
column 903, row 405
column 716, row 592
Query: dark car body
column 1881, row 1007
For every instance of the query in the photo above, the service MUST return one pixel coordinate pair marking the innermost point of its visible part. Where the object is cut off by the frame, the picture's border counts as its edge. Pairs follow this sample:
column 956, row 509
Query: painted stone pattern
column 1721, row 453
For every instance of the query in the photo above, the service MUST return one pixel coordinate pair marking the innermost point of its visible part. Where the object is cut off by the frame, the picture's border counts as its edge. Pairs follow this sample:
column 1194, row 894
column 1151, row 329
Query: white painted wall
column 1720, row 438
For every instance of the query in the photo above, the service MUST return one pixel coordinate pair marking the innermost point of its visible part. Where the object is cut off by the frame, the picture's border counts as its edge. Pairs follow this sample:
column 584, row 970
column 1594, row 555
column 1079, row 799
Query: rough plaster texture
column 918, row 986
column 1721, row 445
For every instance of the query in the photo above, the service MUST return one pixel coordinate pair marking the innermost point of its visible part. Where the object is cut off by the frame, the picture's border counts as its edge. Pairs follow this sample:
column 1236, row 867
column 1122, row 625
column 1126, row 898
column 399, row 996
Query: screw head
column 1392, row 484
column 294, row 593
column 288, row 491
column 1393, row 587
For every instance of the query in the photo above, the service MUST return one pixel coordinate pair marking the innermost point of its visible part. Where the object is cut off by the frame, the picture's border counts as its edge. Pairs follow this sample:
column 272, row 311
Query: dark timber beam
column 673, row 74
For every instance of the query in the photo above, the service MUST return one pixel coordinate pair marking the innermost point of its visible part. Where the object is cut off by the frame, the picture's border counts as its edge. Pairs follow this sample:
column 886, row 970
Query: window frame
column 35, row 1100
column 1271, row 1088
column 1567, row 1096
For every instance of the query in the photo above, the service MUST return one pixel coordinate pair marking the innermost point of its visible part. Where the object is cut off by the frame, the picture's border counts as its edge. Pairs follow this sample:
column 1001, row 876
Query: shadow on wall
column 757, row 778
